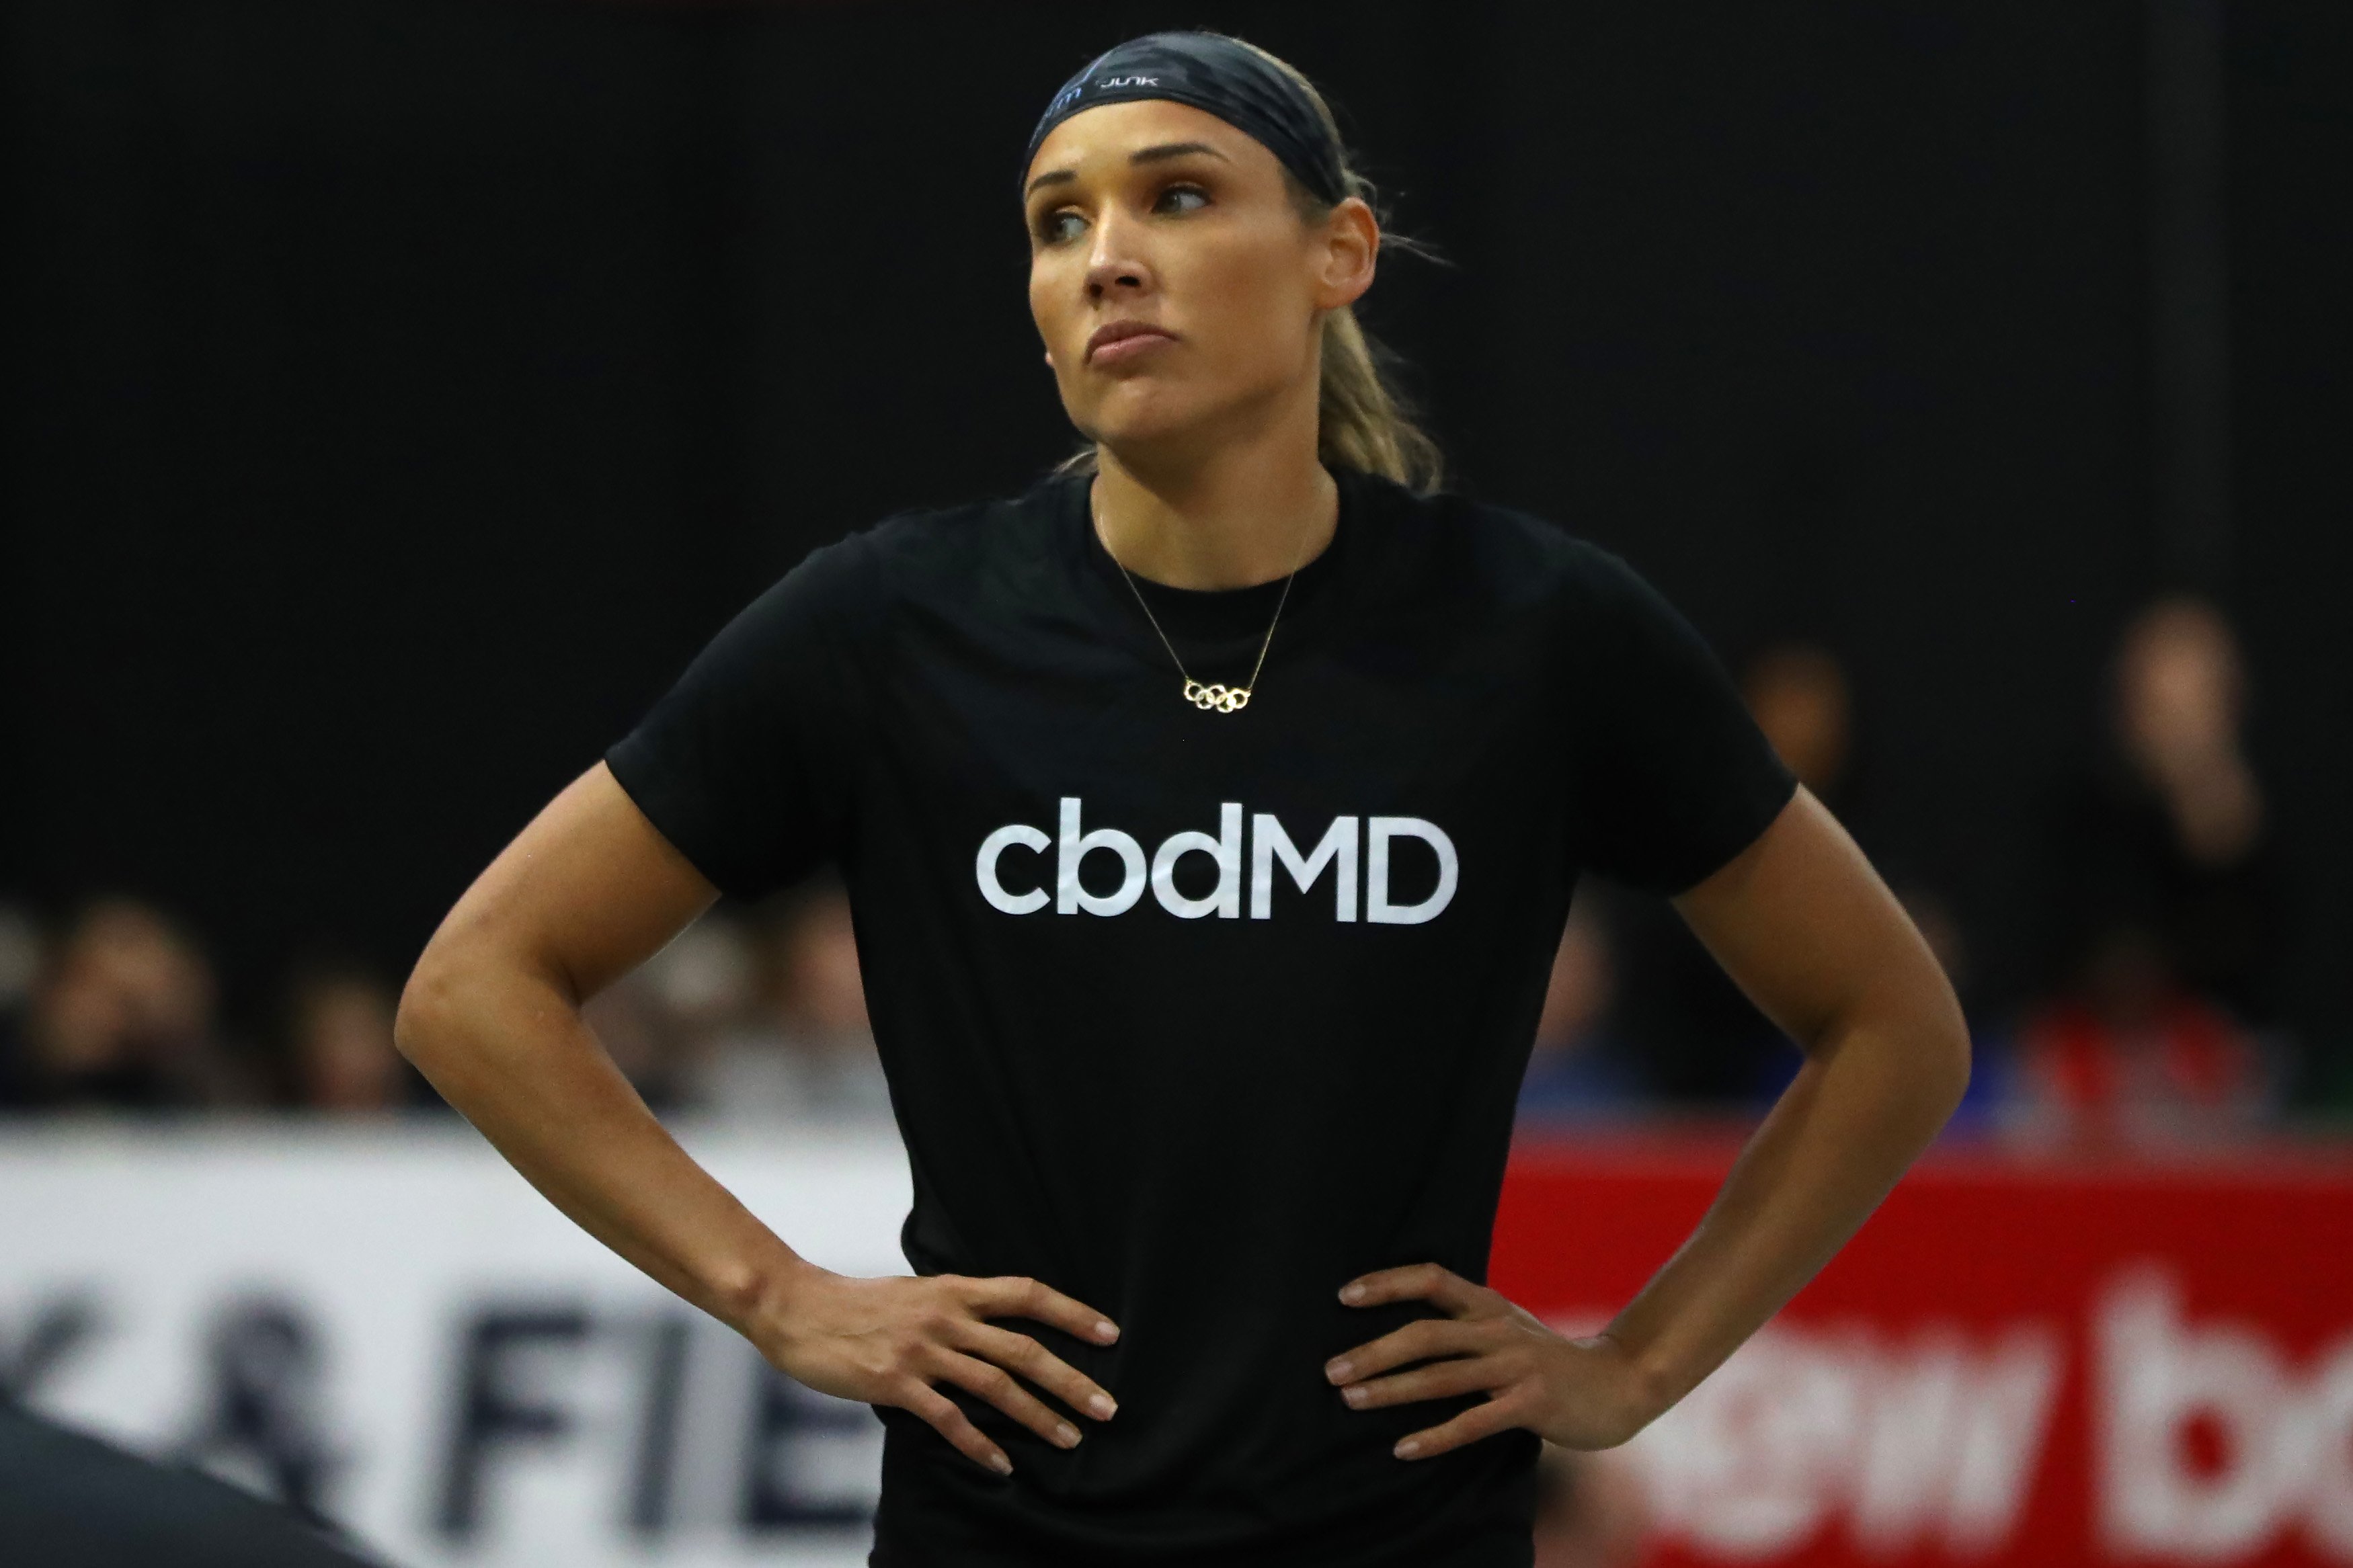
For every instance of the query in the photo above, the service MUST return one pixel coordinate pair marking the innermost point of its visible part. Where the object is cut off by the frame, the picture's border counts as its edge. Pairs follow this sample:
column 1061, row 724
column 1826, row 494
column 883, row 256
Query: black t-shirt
column 1197, row 1016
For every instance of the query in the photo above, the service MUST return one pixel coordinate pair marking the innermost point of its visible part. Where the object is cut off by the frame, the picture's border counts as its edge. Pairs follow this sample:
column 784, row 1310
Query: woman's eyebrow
column 1174, row 150
column 1167, row 149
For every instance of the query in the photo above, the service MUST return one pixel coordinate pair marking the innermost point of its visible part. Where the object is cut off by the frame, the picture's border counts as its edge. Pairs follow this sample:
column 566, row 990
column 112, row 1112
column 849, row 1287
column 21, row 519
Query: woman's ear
column 1350, row 251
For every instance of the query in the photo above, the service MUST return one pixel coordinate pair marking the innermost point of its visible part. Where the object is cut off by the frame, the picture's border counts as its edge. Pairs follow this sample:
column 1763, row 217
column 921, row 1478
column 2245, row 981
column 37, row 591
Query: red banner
column 2014, row 1361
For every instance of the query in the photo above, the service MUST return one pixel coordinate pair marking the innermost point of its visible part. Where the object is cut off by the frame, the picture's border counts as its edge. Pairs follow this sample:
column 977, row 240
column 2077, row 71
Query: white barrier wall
column 2010, row 1365
column 394, row 1326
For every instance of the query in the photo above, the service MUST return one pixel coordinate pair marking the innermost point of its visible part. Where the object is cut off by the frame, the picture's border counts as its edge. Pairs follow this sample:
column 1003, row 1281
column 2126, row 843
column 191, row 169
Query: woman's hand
column 887, row 1341
column 1579, row 1393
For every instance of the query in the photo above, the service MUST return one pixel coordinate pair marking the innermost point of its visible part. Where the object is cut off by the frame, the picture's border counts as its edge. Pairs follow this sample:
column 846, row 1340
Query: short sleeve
column 1673, row 777
column 746, row 764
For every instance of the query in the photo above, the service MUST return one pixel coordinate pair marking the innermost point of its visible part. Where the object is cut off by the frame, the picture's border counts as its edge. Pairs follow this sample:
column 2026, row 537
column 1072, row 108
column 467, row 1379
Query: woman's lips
column 1124, row 341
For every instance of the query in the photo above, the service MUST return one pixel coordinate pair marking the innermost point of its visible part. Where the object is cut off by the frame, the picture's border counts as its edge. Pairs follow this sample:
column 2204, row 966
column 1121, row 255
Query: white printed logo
column 1932, row 1439
column 2289, row 1431
column 1336, row 852
column 1929, row 1440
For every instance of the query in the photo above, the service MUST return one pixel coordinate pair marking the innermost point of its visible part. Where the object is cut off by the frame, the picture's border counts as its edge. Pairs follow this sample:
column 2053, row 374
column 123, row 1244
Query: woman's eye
column 1182, row 199
column 1055, row 228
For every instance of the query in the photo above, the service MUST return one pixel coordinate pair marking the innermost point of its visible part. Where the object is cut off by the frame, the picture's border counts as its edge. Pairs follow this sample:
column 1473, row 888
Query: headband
column 1221, row 76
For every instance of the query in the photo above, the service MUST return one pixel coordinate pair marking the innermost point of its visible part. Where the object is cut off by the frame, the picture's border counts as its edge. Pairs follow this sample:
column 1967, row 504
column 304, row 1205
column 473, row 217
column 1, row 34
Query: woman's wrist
column 1653, row 1386
column 1637, row 1391
column 758, row 1297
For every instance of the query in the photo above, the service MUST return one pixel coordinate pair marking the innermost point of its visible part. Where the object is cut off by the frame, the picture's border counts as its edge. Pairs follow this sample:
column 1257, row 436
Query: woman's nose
column 1113, row 266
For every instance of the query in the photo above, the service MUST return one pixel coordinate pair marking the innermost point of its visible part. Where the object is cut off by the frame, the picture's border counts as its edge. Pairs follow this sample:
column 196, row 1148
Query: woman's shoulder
column 921, row 552
column 901, row 551
column 925, row 533
column 1442, row 534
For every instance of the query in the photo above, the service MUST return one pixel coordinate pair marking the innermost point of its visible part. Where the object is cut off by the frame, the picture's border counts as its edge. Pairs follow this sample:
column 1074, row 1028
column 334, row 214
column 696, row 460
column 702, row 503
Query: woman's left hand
column 1579, row 1393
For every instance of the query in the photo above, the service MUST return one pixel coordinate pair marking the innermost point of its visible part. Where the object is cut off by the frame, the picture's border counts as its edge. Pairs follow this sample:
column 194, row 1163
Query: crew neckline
column 1215, row 612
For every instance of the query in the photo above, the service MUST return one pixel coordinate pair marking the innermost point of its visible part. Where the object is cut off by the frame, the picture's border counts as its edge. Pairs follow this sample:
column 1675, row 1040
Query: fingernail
column 1000, row 1463
column 1066, row 1434
column 1101, row 1404
column 1338, row 1371
column 1354, row 1393
column 1352, row 1294
column 1106, row 1331
column 1407, row 1448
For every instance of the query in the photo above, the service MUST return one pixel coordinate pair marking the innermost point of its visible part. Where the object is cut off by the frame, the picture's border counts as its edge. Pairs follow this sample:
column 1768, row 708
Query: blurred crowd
column 754, row 1015
column 2154, row 931
column 2152, row 1009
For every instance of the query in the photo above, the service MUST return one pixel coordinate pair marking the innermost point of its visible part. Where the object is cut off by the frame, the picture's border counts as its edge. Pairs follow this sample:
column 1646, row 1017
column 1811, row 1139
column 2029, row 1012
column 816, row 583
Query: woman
column 1210, row 816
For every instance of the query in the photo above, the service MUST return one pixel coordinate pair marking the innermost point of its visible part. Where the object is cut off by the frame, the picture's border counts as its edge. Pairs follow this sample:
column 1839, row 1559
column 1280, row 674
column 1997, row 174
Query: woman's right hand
column 889, row 1341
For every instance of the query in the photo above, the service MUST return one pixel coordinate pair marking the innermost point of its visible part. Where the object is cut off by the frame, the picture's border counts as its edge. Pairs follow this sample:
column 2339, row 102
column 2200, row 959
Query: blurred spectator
column 2167, row 906
column 1575, row 1069
column 124, row 1017
column 2139, row 1062
column 808, row 1054
column 1991, row 1065
column 22, row 954
column 1697, row 1038
column 1592, row 1510
column 340, row 1057
column 663, row 1022
column 1798, row 691
column 708, row 981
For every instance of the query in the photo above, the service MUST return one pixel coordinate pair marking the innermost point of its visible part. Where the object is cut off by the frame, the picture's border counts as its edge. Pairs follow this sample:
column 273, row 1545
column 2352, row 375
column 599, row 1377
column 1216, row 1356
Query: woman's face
column 1178, row 290
column 2178, row 681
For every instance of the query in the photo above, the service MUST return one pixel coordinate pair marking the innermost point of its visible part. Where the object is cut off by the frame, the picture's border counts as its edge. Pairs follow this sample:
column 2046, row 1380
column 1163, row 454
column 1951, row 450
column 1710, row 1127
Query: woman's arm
column 491, row 1016
column 1809, row 930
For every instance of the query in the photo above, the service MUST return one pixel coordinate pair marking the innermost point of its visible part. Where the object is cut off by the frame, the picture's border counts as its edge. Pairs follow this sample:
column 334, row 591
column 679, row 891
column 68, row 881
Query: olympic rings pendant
column 1216, row 699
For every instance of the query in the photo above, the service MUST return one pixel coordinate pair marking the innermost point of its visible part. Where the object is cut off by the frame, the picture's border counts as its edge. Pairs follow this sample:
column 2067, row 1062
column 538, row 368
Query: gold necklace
column 1213, row 699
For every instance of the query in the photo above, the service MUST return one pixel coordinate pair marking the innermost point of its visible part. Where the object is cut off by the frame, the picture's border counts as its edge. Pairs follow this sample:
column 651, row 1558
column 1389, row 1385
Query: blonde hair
column 1364, row 421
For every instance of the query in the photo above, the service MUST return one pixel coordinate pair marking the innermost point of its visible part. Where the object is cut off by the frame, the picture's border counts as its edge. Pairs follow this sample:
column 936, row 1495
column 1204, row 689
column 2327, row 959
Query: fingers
column 1472, row 1374
column 953, row 1424
column 1417, row 1282
column 1019, row 1352
column 1479, row 1421
column 1010, row 1296
column 982, row 1358
column 998, row 1386
column 1416, row 1342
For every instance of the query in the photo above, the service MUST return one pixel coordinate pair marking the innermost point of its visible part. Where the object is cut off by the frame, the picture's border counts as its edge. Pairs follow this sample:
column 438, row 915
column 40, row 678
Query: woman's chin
column 1162, row 429
column 1158, row 434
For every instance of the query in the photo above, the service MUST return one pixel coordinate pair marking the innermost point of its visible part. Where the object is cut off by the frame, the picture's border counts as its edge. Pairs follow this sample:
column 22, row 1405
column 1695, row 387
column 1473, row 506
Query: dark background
column 404, row 389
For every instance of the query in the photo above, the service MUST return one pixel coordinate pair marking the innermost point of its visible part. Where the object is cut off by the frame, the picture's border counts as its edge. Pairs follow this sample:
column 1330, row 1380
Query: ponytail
column 1363, row 422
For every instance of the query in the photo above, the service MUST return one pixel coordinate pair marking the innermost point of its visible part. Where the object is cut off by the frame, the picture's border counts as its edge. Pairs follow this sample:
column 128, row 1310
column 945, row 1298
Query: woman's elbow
column 425, row 1004
column 1945, row 1043
column 441, row 991
column 1920, row 1042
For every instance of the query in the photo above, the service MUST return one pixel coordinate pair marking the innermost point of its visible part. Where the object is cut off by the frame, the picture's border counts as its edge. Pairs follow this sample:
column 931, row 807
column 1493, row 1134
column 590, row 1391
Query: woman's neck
column 1243, row 516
